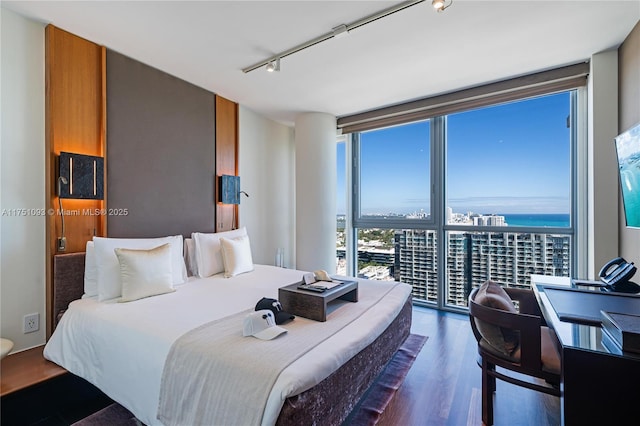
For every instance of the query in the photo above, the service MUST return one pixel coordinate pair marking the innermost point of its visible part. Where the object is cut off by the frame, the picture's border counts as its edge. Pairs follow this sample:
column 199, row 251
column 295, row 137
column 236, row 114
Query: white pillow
column 208, row 255
column 109, row 286
column 145, row 273
column 90, row 271
column 236, row 255
column 190, row 257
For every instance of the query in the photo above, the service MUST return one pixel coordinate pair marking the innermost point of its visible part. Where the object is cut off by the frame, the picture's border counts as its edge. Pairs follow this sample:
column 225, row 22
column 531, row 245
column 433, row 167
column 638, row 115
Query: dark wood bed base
column 328, row 403
column 331, row 400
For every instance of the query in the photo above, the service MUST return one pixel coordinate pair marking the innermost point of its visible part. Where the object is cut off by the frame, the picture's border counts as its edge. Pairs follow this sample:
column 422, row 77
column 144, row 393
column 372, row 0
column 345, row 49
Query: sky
column 506, row 159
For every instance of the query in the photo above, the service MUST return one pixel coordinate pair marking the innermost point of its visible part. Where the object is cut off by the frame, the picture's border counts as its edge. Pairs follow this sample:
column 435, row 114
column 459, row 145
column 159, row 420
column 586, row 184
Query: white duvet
column 121, row 347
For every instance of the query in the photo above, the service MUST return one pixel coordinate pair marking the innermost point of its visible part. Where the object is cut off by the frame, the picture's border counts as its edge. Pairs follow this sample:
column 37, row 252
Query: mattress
column 121, row 347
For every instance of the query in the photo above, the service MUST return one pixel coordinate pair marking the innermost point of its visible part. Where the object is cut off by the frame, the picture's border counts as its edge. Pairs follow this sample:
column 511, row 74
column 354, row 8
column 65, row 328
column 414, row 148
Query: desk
column 597, row 387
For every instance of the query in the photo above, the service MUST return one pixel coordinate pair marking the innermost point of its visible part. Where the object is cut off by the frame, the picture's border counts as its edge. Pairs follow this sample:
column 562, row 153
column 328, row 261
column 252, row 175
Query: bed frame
column 329, row 402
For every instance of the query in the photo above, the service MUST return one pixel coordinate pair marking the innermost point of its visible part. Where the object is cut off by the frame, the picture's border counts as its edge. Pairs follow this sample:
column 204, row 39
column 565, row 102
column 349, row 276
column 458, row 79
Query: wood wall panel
column 75, row 122
column 226, row 159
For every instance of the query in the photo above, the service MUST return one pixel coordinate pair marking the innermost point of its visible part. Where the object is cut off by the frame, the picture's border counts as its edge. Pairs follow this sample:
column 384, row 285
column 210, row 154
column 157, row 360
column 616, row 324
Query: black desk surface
column 584, row 306
column 574, row 314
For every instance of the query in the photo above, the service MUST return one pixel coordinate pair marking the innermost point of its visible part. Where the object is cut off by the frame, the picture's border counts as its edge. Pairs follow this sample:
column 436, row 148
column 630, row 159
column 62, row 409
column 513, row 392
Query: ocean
column 527, row 219
column 630, row 181
column 552, row 220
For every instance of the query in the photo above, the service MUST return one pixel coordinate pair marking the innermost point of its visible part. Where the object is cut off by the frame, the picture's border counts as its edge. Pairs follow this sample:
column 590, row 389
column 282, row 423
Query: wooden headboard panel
column 68, row 282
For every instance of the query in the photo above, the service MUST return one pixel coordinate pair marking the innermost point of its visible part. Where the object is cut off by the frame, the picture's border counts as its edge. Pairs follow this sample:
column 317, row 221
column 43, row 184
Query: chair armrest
column 526, row 300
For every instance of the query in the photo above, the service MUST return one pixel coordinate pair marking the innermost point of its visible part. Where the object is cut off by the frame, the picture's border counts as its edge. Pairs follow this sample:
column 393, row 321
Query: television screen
column 628, row 150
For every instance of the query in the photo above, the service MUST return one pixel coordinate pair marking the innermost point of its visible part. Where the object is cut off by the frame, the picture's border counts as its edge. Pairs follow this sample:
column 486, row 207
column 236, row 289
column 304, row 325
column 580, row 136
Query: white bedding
column 121, row 347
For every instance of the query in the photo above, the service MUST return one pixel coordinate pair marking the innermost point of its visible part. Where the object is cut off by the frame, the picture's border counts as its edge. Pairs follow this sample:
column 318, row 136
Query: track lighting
column 273, row 65
column 440, row 5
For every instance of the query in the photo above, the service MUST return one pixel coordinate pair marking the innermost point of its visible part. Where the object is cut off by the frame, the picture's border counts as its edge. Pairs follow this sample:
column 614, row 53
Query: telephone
column 615, row 276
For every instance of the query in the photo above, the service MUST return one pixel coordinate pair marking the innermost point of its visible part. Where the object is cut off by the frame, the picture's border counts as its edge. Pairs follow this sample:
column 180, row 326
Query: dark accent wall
column 160, row 152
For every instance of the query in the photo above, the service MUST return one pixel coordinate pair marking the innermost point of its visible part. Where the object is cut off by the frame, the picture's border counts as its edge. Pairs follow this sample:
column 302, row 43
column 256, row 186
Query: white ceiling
column 411, row 54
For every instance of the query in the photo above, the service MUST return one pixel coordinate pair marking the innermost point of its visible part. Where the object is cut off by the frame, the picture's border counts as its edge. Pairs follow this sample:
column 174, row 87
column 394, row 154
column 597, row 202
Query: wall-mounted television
column 628, row 151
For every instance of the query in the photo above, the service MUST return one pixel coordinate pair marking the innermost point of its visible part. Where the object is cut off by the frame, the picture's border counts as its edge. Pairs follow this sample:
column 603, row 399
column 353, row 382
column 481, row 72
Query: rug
column 366, row 412
column 373, row 403
column 112, row 415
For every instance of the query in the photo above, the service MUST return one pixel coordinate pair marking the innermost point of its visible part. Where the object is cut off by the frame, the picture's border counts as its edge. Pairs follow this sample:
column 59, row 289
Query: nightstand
column 27, row 368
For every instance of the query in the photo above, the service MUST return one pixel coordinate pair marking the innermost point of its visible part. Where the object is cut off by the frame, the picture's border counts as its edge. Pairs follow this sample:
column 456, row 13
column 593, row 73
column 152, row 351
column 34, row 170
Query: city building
column 474, row 257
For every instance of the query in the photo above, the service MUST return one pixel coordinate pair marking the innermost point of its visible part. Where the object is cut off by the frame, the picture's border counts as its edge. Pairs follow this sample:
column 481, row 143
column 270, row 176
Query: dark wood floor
column 443, row 385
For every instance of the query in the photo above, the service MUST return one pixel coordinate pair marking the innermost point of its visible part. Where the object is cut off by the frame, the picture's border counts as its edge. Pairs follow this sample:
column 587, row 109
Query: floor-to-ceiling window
column 446, row 203
column 508, row 186
column 392, row 177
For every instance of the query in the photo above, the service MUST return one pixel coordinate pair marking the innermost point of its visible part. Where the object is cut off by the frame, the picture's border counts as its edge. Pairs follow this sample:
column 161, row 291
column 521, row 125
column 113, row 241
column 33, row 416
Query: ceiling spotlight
column 440, row 5
column 273, row 65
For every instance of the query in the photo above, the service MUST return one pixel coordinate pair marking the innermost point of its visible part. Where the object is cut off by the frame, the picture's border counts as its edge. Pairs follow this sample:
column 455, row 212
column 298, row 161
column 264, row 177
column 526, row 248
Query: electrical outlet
column 31, row 323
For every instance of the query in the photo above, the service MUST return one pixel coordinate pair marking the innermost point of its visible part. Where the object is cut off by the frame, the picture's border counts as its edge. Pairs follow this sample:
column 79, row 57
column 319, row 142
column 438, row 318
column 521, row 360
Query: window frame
column 438, row 161
column 362, row 222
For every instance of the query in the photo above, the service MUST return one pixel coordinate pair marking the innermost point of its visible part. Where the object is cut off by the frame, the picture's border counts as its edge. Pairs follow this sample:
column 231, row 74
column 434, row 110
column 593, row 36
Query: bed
column 121, row 348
